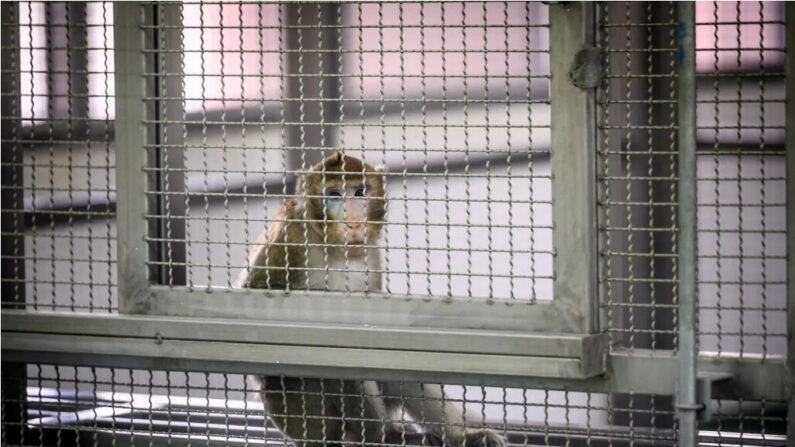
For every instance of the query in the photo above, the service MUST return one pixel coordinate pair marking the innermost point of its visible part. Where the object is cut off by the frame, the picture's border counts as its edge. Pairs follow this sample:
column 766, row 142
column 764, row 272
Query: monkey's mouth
column 354, row 238
column 355, row 248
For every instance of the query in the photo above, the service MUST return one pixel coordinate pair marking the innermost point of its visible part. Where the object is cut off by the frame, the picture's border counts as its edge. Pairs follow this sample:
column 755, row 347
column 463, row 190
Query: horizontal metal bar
column 470, row 357
column 348, row 26
column 242, row 331
column 357, row 51
column 653, row 372
column 373, row 309
column 362, row 123
column 266, row 345
column 275, row 359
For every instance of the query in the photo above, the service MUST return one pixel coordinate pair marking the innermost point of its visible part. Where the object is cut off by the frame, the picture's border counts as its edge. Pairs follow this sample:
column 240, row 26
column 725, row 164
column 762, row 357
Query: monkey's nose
column 354, row 226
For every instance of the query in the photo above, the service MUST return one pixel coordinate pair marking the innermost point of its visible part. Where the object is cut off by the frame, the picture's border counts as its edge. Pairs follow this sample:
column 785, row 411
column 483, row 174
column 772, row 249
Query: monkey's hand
column 478, row 438
column 483, row 438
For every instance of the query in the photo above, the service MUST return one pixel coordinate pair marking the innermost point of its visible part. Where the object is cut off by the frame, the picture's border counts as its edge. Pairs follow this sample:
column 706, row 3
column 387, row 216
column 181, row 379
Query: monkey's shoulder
column 284, row 219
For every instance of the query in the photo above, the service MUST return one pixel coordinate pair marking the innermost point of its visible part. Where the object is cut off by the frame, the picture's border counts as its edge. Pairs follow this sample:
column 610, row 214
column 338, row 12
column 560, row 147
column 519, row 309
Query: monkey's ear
column 380, row 169
column 334, row 159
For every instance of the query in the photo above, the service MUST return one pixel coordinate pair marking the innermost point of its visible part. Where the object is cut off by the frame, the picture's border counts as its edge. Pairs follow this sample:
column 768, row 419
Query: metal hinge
column 586, row 68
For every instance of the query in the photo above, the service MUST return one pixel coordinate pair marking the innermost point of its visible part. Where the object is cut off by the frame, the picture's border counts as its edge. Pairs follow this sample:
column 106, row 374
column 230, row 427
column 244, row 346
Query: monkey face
column 345, row 201
column 346, row 208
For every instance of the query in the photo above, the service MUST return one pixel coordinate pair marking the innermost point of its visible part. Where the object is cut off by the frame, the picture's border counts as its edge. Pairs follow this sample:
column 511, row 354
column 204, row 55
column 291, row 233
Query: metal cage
column 585, row 239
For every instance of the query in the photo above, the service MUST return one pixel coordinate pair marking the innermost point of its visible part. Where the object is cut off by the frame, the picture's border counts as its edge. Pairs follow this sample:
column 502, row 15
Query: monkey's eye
column 333, row 193
column 359, row 192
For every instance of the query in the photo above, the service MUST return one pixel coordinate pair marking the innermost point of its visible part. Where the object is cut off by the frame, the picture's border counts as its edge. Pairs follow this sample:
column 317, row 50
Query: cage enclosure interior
column 403, row 223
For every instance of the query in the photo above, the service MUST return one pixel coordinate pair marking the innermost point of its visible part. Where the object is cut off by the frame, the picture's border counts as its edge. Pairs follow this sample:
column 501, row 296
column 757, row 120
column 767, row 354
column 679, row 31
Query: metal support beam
column 130, row 158
column 12, row 293
column 324, row 346
column 790, row 146
column 686, row 400
column 355, row 352
column 655, row 372
column 313, row 307
column 13, row 225
column 573, row 133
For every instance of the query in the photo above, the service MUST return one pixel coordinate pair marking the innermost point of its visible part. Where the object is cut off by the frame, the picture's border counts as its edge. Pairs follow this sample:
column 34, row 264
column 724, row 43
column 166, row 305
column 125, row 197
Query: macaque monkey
column 332, row 226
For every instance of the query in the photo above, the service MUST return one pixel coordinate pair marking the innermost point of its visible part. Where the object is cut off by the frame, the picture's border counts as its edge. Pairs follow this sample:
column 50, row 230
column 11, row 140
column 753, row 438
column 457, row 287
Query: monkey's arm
column 425, row 404
column 270, row 254
column 442, row 419
column 299, row 407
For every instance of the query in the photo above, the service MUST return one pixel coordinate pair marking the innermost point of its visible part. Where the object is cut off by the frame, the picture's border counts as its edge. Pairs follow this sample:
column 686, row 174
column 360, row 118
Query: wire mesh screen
column 100, row 406
column 741, row 171
column 448, row 105
column 450, row 99
column 58, row 182
column 741, row 199
column 638, row 169
column 760, row 422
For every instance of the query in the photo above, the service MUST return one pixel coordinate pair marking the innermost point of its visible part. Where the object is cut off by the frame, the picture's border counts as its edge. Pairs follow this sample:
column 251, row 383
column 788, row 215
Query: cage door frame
column 572, row 312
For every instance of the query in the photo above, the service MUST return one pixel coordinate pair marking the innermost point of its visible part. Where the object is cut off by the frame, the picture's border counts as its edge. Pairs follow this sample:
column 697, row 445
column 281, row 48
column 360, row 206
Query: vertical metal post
column 13, row 240
column 573, row 109
column 790, row 150
column 686, row 402
column 130, row 158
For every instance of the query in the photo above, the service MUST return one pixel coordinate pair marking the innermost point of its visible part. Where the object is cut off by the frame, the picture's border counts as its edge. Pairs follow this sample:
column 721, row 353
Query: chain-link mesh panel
column 58, row 181
column 100, row 406
column 741, row 172
column 741, row 190
column 243, row 99
column 452, row 99
column 741, row 197
column 638, row 168
column 746, row 422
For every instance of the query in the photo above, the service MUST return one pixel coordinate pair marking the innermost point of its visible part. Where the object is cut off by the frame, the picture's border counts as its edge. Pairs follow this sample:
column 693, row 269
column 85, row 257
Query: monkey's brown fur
column 278, row 261
column 321, row 412
column 299, row 220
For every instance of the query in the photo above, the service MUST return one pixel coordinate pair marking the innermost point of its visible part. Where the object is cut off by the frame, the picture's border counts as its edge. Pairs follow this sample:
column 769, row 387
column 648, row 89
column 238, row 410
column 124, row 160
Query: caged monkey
column 324, row 240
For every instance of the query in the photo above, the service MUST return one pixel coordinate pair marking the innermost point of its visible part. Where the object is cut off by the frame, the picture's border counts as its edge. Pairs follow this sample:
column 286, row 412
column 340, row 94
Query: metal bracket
column 586, row 68
column 704, row 381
